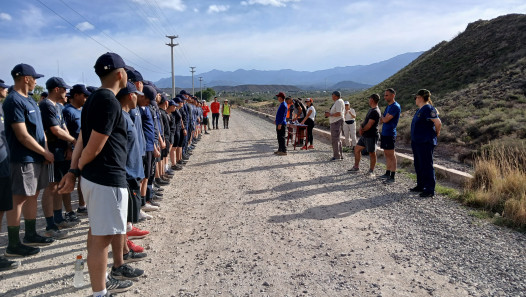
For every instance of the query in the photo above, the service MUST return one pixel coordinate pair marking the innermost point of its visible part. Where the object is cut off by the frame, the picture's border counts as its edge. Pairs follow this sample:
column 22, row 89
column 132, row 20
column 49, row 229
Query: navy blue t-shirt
column 135, row 115
column 148, row 127
column 4, row 156
column 20, row 109
column 422, row 127
column 103, row 113
column 72, row 119
column 389, row 128
column 52, row 116
column 134, row 167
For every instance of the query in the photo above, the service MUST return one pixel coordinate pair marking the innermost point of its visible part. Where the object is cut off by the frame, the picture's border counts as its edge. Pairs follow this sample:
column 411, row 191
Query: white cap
column 347, row 103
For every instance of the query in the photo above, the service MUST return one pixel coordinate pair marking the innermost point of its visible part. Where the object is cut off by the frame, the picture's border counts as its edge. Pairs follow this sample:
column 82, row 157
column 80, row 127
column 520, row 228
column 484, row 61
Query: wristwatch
column 75, row 172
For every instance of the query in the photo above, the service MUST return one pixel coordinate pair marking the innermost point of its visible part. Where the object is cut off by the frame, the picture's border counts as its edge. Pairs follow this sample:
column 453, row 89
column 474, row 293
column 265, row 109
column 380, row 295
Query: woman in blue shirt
column 425, row 129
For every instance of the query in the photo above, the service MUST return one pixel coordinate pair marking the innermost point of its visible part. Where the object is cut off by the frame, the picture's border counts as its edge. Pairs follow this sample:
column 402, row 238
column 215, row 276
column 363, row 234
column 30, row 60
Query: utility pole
column 172, row 45
column 192, row 70
column 200, row 81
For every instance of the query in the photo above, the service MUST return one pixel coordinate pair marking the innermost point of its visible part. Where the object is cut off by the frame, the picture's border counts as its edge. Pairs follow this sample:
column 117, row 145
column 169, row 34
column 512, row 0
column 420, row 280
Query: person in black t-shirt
column 369, row 135
column 100, row 158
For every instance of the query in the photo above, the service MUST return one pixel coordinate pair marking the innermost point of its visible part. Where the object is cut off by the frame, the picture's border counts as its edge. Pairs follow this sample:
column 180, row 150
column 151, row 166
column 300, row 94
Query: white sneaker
column 144, row 216
column 148, row 207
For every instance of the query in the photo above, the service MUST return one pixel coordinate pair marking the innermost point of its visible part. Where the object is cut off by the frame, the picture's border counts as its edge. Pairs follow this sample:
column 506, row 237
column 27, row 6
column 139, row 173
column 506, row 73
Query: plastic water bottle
column 78, row 279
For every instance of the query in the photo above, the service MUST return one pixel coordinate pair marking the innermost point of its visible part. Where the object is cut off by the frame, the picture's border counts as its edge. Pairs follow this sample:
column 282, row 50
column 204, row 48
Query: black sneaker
column 132, row 256
column 82, row 211
column 385, row 176
column 37, row 240
column 185, row 157
column 8, row 264
column 71, row 217
column 389, row 180
column 178, row 168
column 21, row 251
column 126, row 272
column 161, row 182
column 427, row 195
column 416, row 189
column 117, row 286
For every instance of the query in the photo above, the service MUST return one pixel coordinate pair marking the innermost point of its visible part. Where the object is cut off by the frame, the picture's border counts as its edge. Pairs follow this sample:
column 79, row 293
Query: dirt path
column 240, row 221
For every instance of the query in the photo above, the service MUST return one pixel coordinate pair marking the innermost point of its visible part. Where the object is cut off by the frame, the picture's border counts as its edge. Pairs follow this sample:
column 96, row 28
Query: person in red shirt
column 206, row 110
column 215, row 106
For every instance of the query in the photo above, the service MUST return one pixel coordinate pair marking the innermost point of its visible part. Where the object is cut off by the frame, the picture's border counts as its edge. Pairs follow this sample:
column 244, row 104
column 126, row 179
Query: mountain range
column 348, row 77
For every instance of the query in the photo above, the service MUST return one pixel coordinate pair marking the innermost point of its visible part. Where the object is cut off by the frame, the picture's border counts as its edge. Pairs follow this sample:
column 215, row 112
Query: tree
column 207, row 94
column 37, row 92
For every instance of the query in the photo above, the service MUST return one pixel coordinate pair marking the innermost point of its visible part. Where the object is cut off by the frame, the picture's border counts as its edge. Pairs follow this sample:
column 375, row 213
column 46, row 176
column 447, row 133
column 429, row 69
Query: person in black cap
column 6, row 196
column 59, row 142
column 43, row 96
column 28, row 148
column 425, row 129
column 100, row 158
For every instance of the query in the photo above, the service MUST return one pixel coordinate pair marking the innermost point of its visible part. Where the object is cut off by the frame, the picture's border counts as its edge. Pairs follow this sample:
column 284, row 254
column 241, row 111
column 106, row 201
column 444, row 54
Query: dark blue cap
column 178, row 100
column 149, row 92
column 130, row 88
column 172, row 102
column 92, row 88
column 45, row 94
column 147, row 83
column 163, row 99
column 183, row 92
column 79, row 89
column 3, row 85
column 107, row 63
column 25, row 70
column 56, row 82
column 134, row 75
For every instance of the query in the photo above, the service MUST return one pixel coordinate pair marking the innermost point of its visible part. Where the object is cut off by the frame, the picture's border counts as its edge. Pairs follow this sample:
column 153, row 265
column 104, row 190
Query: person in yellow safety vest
column 225, row 110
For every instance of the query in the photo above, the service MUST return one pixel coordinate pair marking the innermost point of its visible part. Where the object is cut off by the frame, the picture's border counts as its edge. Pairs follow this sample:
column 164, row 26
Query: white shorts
column 107, row 208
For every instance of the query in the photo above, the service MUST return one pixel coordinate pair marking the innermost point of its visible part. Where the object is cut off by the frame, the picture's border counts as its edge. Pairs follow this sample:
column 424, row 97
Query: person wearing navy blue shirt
column 281, row 124
column 389, row 119
column 6, row 194
column 425, row 129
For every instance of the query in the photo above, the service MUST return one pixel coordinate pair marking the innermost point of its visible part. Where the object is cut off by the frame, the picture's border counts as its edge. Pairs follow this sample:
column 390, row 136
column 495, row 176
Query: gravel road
column 240, row 221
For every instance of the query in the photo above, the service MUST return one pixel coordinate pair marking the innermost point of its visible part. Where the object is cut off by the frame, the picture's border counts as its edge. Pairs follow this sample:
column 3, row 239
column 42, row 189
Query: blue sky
column 226, row 35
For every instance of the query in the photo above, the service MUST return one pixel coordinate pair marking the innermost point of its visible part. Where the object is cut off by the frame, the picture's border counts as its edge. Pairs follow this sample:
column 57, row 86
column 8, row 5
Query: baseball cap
column 107, row 63
column 3, row 85
column 25, row 70
column 183, row 92
column 147, row 83
column 177, row 100
column 347, row 103
column 337, row 93
column 149, row 92
column 172, row 102
column 130, row 88
column 134, row 75
column 92, row 88
column 163, row 99
column 281, row 94
column 56, row 82
column 79, row 88
column 45, row 94
column 308, row 100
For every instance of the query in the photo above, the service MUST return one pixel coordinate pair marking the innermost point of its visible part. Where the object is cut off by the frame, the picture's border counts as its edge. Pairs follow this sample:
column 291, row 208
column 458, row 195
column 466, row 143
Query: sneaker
column 132, row 256
column 389, row 180
column 385, row 176
column 149, row 207
column 370, row 173
column 416, row 189
column 206, row 132
column 21, row 250
column 427, row 194
column 304, row 148
column 281, row 153
column 311, row 147
column 161, row 182
column 185, row 158
column 178, row 167
column 117, row 286
column 136, row 233
column 66, row 224
column 354, row 169
column 71, row 217
column 158, row 194
column 181, row 162
column 144, row 216
column 276, row 152
column 158, row 189
column 8, row 264
column 56, row 233
column 37, row 240
column 154, row 203
column 333, row 159
column 82, row 211
column 169, row 173
column 134, row 247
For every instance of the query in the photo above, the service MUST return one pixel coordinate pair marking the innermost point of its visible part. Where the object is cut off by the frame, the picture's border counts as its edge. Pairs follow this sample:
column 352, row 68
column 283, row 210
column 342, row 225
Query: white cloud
column 5, row 17
column 85, row 26
column 177, row 5
column 217, row 8
column 33, row 19
column 276, row 3
column 196, row 10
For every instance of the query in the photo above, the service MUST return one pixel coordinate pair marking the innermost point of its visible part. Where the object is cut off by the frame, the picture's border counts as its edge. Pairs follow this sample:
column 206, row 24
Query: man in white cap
column 349, row 126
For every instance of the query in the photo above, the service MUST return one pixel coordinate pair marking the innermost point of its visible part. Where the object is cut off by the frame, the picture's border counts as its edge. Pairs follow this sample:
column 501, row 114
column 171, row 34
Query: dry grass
column 499, row 183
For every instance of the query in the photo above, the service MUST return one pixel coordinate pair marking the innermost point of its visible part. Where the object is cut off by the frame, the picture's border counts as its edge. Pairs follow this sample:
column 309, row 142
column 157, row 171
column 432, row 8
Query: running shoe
column 133, row 256
column 71, row 217
column 311, row 147
column 389, row 180
column 281, row 153
column 117, row 286
column 385, row 176
column 56, row 233
column 144, row 216
column 21, row 250
column 304, row 148
column 125, row 272
column 8, row 264
column 370, row 173
column 154, row 203
column 136, row 233
column 416, row 189
column 427, row 194
column 82, row 211
column 66, row 224
column 354, row 169
column 333, row 159
column 37, row 240
column 161, row 182
column 149, row 207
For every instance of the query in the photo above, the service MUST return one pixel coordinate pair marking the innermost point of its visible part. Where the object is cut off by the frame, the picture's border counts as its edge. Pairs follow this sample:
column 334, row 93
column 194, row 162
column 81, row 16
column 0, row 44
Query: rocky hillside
column 477, row 81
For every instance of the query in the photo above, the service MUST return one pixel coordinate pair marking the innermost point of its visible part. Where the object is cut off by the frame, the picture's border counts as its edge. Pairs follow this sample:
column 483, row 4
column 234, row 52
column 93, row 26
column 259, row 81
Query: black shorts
column 6, row 194
column 387, row 142
column 181, row 137
column 147, row 162
column 60, row 168
column 369, row 143
column 164, row 152
column 205, row 121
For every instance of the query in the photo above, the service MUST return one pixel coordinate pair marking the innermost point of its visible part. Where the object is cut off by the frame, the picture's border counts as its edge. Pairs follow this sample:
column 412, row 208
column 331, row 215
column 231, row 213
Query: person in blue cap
column 27, row 145
column 100, row 159
column 425, row 129
column 6, row 193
